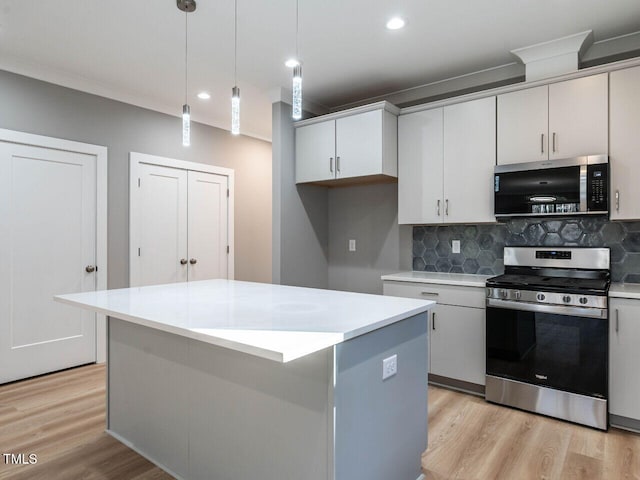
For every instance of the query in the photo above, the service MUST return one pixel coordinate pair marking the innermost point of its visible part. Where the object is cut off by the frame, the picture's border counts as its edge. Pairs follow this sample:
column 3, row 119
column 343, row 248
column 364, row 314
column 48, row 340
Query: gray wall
column 42, row 108
column 300, row 220
column 369, row 215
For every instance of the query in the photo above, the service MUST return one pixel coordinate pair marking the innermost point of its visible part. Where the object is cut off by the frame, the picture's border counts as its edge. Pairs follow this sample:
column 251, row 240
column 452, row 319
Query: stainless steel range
column 548, row 333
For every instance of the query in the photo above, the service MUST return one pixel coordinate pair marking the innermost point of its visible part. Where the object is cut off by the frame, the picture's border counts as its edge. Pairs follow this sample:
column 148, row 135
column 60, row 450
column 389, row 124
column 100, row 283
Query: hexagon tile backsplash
column 481, row 246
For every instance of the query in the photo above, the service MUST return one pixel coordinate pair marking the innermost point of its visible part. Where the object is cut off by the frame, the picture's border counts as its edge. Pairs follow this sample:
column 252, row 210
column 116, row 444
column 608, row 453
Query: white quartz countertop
column 624, row 290
column 460, row 279
column 277, row 322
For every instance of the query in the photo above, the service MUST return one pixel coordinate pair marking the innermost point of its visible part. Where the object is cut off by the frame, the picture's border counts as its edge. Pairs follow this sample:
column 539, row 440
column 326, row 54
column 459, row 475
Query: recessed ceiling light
column 292, row 62
column 395, row 23
column 204, row 96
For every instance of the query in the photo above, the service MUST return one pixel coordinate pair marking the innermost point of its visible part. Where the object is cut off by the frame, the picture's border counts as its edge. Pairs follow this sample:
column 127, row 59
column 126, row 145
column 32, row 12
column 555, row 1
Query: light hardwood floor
column 61, row 418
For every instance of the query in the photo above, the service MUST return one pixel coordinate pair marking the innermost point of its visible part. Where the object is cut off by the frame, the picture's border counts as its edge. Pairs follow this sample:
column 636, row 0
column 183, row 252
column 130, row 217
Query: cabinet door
column 469, row 160
column 624, row 358
column 624, row 111
column 359, row 145
column 458, row 343
column 207, row 226
column 523, row 118
column 578, row 117
column 315, row 152
column 420, row 150
column 159, row 225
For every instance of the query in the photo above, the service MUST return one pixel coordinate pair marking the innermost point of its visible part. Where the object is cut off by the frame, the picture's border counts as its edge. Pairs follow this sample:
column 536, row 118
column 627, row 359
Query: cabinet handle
column 338, row 164
column 331, row 164
column 542, row 143
column 438, row 207
column 430, row 293
column 446, row 207
column 554, row 142
column 433, row 321
column 617, row 321
column 617, row 200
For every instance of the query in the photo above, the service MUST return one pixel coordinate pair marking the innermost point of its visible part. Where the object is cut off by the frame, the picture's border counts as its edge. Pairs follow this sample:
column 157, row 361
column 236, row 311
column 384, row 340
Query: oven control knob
column 504, row 293
column 489, row 292
column 566, row 299
column 583, row 300
column 540, row 297
column 517, row 295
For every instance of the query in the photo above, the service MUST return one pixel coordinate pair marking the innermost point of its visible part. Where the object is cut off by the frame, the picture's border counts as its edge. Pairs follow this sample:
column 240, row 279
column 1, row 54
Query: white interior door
column 208, row 220
column 159, row 226
column 47, row 239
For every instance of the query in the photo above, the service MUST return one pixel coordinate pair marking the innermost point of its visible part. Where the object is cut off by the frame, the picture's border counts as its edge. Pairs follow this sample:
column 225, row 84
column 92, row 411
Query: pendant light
column 186, row 6
column 297, row 80
column 235, row 91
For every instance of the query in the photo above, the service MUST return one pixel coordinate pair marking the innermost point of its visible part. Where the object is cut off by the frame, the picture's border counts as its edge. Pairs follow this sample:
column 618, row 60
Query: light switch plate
column 352, row 245
column 455, row 246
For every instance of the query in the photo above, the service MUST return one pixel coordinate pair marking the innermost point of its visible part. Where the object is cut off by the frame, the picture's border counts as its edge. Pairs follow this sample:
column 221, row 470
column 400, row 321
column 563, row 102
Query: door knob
column 183, row 261
column 90, row 269
column 193, row 261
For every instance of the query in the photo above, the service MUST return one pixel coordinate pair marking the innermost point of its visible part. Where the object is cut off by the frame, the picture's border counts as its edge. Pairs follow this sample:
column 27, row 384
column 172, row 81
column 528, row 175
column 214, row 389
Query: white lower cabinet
column 457, row 343
column 624, row 358
column 456, row 328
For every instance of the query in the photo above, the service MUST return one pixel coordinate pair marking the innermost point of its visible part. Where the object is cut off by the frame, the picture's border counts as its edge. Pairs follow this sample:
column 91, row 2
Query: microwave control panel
column 597, row 187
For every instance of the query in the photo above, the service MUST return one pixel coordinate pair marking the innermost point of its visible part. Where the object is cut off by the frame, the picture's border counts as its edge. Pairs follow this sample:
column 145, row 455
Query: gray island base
column 204, row 411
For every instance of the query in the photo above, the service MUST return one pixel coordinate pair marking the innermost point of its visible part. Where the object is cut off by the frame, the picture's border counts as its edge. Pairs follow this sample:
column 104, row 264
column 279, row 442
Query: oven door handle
column 558, row 309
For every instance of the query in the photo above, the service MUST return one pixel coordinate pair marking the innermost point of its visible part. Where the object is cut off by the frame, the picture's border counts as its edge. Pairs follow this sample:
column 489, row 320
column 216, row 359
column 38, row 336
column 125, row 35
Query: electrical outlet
column 352, row 245
column 455, row 246
column 389, row 366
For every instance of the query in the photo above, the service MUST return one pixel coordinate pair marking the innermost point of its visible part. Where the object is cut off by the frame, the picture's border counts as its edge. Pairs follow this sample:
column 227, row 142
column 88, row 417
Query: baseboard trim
column 459, row 385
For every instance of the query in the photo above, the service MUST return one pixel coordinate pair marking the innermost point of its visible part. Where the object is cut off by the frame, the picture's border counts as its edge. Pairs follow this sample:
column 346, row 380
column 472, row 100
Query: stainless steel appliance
column 547, row 333
column 574, row 186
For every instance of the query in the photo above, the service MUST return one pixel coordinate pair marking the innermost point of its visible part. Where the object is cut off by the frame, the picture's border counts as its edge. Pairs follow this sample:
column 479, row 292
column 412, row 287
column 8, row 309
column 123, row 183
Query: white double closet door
column 179, row 226
column 47, row 241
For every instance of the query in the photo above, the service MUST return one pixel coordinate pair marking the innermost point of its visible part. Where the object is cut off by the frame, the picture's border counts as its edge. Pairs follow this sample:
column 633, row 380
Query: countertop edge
column 438, row 279
column 625, row 290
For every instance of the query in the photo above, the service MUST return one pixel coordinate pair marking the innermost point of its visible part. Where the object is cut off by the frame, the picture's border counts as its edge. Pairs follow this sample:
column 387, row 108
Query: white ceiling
column 134, row 50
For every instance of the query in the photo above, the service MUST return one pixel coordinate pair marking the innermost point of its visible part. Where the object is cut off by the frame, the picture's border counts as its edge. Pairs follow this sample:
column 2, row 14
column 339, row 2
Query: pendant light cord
column 235, row 44
column 186, row 43
column 297, row 56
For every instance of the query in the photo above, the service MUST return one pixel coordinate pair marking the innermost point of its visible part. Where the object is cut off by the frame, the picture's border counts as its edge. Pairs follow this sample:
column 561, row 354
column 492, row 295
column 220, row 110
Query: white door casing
column 181, row 221
column 53, row 205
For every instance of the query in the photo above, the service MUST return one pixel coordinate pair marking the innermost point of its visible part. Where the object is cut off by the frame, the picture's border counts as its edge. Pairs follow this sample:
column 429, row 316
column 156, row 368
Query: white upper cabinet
column 469, row 161
column 349, row 145
column 560, row 120
column 446, row 160
column 578, row 117
column 523, row 118
column 315, row 152
column 624, row 111
column 420, row 164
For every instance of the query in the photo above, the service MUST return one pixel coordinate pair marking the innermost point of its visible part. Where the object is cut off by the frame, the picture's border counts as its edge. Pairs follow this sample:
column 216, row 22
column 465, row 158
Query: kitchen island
column 222, row 379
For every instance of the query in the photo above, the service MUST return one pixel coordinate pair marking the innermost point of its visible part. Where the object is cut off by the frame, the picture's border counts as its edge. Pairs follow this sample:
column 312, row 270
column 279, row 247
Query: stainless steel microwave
column 572, row 186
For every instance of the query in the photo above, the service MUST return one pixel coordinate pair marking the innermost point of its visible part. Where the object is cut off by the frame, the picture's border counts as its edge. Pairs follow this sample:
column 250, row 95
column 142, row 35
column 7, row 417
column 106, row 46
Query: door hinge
column 227, row 248
column 138, row 251
column 138, row 183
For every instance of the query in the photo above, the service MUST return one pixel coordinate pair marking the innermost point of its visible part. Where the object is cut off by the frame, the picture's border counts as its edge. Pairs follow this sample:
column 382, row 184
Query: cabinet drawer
column 443, row 294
